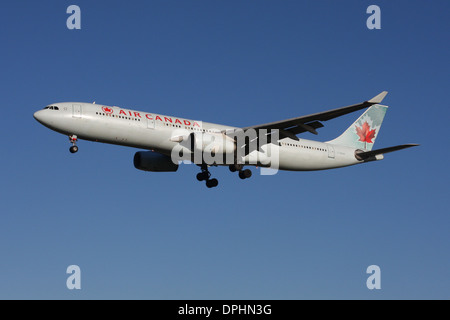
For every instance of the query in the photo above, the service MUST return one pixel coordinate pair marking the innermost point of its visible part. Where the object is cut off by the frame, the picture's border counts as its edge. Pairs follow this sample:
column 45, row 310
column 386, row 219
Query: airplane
column 170, row 140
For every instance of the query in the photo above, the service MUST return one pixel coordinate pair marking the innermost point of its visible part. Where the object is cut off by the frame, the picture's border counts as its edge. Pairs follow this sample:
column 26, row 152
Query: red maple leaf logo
column 107, row 110
column 364, row 133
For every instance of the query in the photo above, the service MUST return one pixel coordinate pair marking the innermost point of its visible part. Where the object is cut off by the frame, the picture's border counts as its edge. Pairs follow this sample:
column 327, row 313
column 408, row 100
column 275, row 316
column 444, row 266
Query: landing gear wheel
column 73, row 140
column 205, row 175
column 212, row 183
column 232, row 168
column 245, row 174
column 201, row 176
column 73, row 149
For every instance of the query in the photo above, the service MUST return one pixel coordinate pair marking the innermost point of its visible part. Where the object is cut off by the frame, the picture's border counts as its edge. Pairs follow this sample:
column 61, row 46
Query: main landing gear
column 205, row 175
column 243, row 174
column 73, row 140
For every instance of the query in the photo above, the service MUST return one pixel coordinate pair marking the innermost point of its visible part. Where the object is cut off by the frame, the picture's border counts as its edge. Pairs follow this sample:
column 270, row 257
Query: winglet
column 378, row 98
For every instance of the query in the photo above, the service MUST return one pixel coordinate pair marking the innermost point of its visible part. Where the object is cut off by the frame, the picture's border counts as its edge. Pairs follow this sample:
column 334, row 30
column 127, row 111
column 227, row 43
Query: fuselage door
column 150, row 123
column 330, row 152
column 76, row 108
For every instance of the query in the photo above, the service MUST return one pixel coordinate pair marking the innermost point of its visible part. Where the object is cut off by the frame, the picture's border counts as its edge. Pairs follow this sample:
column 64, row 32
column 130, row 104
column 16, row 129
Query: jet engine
column 153, row 161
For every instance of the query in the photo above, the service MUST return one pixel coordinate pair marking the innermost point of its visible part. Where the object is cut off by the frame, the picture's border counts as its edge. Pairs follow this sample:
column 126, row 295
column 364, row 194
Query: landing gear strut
column 73, row 140
column 235, row 167
column 243, row 174
column 205, row 175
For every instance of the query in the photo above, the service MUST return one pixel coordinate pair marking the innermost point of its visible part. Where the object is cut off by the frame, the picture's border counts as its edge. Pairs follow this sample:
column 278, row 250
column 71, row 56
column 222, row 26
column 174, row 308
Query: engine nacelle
column 153, row 161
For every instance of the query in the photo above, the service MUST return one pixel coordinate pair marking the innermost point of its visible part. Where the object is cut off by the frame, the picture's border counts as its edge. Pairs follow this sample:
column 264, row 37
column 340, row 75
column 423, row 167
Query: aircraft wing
column 291, row 127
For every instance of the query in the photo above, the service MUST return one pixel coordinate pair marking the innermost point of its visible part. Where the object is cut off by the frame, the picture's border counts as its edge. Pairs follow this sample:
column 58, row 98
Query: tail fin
column 363, row 132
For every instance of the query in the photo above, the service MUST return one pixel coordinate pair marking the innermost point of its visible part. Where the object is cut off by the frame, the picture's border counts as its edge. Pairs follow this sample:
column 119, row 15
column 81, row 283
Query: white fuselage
column 156, row 132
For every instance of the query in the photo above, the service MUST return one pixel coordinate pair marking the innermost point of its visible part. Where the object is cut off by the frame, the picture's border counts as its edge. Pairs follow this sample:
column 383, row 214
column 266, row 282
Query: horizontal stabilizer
column 366, row 155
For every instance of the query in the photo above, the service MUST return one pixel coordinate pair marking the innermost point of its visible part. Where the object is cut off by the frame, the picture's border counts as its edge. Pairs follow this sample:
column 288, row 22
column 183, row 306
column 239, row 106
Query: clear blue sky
column 293, row 235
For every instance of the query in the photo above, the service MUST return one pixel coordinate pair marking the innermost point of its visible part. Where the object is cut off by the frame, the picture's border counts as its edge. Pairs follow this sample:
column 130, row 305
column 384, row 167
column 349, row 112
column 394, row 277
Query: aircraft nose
column 38, row 115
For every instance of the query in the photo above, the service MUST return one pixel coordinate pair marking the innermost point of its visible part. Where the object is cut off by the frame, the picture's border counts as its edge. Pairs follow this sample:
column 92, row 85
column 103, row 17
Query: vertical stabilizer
column 364, row 131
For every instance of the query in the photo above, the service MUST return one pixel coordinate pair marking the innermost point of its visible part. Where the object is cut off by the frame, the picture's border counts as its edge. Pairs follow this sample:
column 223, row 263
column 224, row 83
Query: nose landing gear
column 73, row 140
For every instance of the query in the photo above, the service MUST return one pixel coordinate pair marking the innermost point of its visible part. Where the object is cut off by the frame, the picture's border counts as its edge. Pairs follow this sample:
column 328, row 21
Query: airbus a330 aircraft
column 171, row 139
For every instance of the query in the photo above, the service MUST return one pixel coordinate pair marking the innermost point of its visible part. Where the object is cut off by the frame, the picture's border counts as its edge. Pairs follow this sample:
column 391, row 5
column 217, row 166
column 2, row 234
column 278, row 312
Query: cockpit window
column 51, row 107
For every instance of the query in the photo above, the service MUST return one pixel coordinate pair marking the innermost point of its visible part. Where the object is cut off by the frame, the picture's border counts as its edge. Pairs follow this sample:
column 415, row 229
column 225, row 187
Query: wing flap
column 303, row 127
